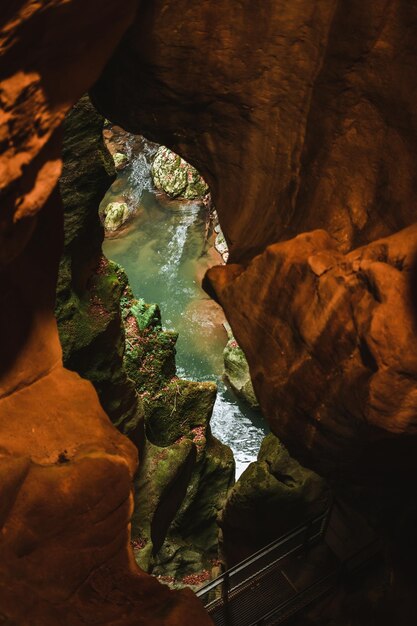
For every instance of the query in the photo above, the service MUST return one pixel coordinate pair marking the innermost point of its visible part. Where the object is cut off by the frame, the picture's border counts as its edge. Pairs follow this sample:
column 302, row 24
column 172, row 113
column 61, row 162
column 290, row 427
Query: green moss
column 273, row 495
column 176, row 177
column 146, row 315
column 177, row 409
column 118, row 343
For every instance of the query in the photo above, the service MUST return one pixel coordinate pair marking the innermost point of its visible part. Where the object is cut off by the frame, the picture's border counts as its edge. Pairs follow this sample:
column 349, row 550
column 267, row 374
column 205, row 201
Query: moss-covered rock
column 114, row 215
column 236, row 371
column 176, row 177
column 118, row 343
column 177, row 409
column 181, row 489
column 273, row 495
column 89, row 286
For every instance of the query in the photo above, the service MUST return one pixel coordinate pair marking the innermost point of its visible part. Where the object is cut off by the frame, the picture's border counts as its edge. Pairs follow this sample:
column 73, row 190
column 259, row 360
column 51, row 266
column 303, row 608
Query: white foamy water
column 175, row 249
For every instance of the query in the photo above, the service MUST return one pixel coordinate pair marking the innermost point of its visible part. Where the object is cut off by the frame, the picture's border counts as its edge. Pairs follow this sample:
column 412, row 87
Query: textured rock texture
column 186, row 473
column 39, row 44
column 274, row 495
column 89, row 288
column 338, row 371
column 117, row 342
column 66, row 472
column 115, row 215
column 176, row 177
column 236, row 371
column 299, row 115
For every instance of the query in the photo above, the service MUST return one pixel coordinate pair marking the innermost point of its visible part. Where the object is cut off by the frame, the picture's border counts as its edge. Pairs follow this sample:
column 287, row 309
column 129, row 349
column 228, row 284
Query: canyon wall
column 66, row 472
column 301, row 115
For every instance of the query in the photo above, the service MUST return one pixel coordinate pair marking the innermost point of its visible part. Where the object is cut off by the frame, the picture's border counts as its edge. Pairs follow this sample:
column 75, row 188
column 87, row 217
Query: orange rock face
column 300, row 115
column 65, row 472
column 336, row 334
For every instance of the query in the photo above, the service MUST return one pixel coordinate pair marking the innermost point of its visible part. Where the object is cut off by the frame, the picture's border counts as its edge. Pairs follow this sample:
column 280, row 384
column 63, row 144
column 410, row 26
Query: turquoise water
column 165, row 255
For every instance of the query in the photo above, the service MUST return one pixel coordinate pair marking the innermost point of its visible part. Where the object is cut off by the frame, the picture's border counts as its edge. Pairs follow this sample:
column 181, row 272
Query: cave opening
column 134, row 320
column 162, row 228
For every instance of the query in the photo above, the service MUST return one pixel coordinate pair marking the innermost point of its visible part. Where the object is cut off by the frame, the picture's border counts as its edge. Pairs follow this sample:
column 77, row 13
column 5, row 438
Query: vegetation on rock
column 117, row 342
column 114, row 215
column 176, row 177
column 273, row 495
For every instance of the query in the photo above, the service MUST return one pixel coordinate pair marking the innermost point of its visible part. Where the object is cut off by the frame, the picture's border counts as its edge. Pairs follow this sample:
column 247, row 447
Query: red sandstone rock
column 50, row 53
column 299, row 115
column 331, row 342
column 65, row 471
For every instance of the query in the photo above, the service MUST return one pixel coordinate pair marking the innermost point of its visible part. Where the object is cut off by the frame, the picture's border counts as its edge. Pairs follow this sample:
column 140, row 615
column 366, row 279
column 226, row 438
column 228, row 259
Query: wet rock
column 120, row 160
column 185, row 474
column 221, row 246
column 115, row 215
column 176, row 177
column 89, row 286
column 273, row 495
column 236, row 371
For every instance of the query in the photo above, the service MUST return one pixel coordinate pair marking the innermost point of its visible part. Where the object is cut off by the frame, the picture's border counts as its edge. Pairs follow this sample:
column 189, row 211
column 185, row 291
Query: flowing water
column 164, row 253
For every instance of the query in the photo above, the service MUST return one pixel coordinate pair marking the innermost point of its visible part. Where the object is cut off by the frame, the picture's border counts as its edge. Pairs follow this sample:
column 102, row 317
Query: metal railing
column 230, row 598
column 258, row 590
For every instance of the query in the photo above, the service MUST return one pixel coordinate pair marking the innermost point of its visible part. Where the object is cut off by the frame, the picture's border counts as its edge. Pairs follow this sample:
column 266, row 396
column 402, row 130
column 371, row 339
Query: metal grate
column 258, row 591
column 270, row 556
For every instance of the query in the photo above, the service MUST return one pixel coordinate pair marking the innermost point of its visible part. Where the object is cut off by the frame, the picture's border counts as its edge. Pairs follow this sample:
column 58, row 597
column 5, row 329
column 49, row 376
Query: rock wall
column 274, row 495
column 89, row 290
column 117, row 342
column 302, row 116
column 299, row 115
column 66, row 472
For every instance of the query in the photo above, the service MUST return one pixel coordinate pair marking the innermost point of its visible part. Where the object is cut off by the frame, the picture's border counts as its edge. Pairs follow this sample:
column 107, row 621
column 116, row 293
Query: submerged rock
column 114, row 215
column 176, row 177
column 236, row 370
column 273, row 495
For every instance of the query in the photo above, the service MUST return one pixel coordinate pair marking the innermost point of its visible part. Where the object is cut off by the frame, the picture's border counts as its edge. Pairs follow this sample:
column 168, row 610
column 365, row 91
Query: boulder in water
column 176, row 177
column 115, row 215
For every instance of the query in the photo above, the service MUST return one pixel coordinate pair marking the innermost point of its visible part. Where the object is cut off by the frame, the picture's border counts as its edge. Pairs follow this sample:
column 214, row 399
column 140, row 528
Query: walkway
column 286, row 576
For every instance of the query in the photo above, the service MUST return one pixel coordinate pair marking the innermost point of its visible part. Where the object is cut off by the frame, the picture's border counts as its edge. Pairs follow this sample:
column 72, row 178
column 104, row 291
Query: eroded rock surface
column 176, row 177
column 338, row 371
column 236, row 371
column 274, row 495
column 66, row 472
column 299, row 115
column 117, row 342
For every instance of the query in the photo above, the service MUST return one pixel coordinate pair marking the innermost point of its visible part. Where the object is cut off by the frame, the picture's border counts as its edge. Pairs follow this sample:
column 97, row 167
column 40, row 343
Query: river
column 164, row 254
